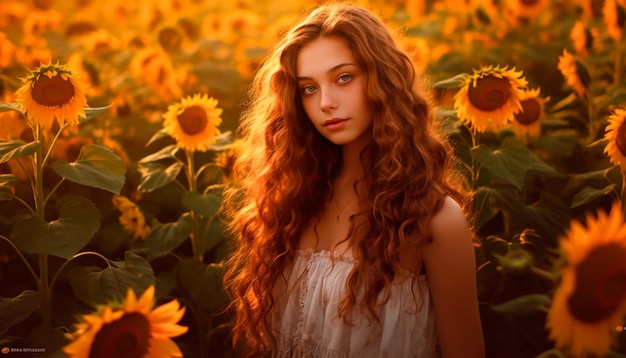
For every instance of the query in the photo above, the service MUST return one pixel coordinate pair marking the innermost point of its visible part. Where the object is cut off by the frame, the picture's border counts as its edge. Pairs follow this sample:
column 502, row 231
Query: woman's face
column 332, row 87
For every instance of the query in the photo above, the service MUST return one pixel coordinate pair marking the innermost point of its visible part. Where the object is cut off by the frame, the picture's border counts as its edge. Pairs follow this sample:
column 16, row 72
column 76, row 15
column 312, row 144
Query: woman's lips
column 334, row 123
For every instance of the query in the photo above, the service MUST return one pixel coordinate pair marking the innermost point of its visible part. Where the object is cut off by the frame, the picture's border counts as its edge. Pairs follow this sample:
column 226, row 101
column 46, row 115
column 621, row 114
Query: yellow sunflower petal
column 193, row 122
column 527, row 122
column 160, row 348
column 168, row 311
column 575, row 73
column 490, row 98
column 615, row 135
column 146, row 301
column 131, row 299
column 134, row 330
column 591, row 298
column 50, row 92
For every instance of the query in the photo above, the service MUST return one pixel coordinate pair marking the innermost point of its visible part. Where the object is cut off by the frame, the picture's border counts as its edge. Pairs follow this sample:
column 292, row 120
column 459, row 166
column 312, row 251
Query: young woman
column 352, row 241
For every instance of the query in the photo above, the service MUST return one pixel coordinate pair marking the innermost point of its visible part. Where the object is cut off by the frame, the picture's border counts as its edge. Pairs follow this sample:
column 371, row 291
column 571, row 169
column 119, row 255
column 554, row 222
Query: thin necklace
column 338, row 217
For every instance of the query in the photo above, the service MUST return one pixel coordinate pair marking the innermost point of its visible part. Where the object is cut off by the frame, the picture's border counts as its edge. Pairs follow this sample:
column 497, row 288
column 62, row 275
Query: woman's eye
column 308, row 89
column 344, row 78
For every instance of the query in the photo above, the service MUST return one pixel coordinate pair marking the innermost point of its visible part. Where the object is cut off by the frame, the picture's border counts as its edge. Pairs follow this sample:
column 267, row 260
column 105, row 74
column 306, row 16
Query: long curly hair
column 284, row 170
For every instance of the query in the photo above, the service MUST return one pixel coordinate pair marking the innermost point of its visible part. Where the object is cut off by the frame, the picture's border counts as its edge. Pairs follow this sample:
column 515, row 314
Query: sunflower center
column 127, row 337
column 193, row 120
column 600, row 284
column 170, row 39
column 620, row 138
column 52, row 91
column 489, row 93
column 530, row 113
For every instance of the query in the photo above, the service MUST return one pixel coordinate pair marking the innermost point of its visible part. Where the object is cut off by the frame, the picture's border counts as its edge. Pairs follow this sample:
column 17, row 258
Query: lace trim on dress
column 306, row 307
column 290, row 348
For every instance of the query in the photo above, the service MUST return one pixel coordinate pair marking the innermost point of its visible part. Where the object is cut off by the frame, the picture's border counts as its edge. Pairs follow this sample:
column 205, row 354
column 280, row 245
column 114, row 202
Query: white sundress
column 305, row 315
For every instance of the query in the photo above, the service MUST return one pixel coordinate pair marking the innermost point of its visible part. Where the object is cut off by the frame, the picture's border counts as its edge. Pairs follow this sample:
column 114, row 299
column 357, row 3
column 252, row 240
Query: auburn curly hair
column 285, row 167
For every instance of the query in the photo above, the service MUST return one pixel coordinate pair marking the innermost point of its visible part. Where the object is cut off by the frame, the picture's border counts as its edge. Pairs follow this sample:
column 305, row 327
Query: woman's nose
column 328, row 100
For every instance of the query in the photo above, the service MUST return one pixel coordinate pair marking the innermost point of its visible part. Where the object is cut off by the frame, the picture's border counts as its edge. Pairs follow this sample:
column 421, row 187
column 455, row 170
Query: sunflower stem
column 506, row 218
column 31, row 179
column 196, row 241
column 53, row 143
column 474, row 173
column 40, row 211
column 52, row 191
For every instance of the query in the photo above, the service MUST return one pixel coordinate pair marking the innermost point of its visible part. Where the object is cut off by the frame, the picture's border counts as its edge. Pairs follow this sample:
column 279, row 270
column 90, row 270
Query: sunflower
column 615, row 135
column 575, row 73
column 490, row 97
column 614, row 18
column 591, row 298
column 132, row 219
column 193, row 122
column 50, row 92
column 528, row 120
column 582, row 38
column 155, row 68
column 135, row 330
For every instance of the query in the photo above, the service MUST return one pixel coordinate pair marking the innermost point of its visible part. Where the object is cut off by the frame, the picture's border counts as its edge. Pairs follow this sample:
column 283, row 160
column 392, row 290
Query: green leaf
column 14, row 149
column 77, row 224
column 561, row 142
column 164, row 238
column 486, row 205
column 565, row 102
column 456, row 81
column 510, row 162
column 615, row 100
column 5, row 106
column 206, row 205
column 168, row 152
column 7, row 186
column 214, row 235
column 524, row 305
column 15, row 310
column 49, row 339
column 155, row 175
column 204, row 284
column 222, row 141
column 490, row 200
column 96, row 166
column 589, row 194
column 96, row 286
column 549, row 216
column 157, row 136
column 92, row 112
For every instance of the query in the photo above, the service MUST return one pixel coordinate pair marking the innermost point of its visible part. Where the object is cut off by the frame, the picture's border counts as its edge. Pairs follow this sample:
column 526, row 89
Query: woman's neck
column 351, row 169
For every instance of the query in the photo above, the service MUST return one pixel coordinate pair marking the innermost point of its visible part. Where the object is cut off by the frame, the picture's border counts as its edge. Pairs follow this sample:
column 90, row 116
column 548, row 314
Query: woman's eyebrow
column 330, row 70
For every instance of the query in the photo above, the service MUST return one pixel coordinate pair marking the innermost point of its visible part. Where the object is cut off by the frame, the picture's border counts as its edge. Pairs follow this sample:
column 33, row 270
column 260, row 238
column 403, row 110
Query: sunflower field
column 117, row 135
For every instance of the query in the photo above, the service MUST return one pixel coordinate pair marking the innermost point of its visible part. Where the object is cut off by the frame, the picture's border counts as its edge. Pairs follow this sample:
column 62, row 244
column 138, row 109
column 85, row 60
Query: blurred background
column 531, row 176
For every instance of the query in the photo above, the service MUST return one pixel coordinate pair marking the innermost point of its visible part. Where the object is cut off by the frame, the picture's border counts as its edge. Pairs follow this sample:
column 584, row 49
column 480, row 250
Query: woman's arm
column 451, row 270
